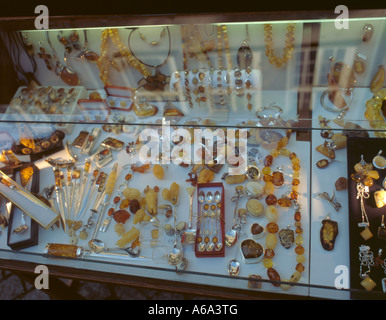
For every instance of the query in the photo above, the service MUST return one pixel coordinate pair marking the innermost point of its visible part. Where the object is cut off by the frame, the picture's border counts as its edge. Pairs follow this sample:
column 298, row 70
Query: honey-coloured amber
column 299, row 240
column 277, row 178
column 297, row 216
column 267, row 177
column 299, row 230
column 296, row 167
column 299, row 249
column 268, row 160
column 271, row 200
column 266, row 170
column 292, row 155
column 295, row 182
column 272, row 227
column 284, row 202
column 267, row 263
column 300, row 258
column 273, row 275
column 269, row 188
column 269, row 253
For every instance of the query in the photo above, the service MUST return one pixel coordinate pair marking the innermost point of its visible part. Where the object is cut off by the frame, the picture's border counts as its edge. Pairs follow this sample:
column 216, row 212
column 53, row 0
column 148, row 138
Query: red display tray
column 210, row 223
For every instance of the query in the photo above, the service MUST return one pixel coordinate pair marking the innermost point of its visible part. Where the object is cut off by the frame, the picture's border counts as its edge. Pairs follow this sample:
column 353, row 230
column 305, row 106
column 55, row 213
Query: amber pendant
column 328, row 234
column 244, row 56
column 378, row 80
column 286, row 237
column 69, row 77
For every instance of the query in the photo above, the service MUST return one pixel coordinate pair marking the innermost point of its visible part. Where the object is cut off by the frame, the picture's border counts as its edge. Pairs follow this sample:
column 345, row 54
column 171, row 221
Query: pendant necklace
column 65, row 73
column 85, row 54
column 286, row 236
column 153, row 42
column 158, row 81
column 244, row 54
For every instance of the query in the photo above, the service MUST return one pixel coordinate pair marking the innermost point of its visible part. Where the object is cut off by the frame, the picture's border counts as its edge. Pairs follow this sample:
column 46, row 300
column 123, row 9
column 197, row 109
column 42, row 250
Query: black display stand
column 369, row 148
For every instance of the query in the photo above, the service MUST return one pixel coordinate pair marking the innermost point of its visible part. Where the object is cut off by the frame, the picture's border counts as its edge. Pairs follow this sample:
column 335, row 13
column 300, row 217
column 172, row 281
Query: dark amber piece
column 269, row 253
column 271, row 199
column 116, row 199
column 121, row 216
column 273, row 275
column 299, row 267
column 368, row 181
column 268, row 160
column 297, row 216
column 295, row 182
column 284, row 202
column 111, row 211
column 277, row 178
column 272, row 227
column 299, row 249
column 328, row 233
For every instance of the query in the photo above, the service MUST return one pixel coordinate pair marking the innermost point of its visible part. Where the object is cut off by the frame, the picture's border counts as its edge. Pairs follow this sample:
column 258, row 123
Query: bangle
column 333, row 108
column 271, row 114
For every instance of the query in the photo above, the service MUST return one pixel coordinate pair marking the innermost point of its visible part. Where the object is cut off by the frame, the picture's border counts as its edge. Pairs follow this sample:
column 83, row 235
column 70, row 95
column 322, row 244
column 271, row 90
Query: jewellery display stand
column 137, row 78
column 357, row 147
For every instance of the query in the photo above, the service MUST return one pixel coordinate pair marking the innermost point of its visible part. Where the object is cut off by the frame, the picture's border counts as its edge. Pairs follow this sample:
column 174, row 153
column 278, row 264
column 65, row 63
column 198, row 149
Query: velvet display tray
column 369, row 148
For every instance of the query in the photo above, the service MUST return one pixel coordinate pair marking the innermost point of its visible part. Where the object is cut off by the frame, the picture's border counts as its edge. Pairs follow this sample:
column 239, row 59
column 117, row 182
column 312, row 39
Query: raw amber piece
column 268, row 263
column 278, row 178
column 297, row 216
column 271, row 200
column 268, row 160
column 273, row 275
column 284, row 202
column 266, row 170
column 158, row 171
column 272, row 227
column 269, row 253
column 299, row 249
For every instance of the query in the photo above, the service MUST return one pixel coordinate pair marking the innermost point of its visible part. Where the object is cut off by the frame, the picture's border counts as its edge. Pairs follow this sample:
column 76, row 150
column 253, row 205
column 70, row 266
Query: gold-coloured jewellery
column 288, row 48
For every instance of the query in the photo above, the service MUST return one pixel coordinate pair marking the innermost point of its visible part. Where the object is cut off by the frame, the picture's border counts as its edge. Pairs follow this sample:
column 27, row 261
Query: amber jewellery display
column 175, row 107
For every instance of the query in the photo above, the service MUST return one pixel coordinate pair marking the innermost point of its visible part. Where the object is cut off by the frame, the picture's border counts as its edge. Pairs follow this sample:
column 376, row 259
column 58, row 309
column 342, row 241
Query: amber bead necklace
column 103, row 62
column 288, row 48
column 277, row 179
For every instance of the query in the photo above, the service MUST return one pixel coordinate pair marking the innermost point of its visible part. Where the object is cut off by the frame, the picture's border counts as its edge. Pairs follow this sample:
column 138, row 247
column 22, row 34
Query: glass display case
column 241, row 152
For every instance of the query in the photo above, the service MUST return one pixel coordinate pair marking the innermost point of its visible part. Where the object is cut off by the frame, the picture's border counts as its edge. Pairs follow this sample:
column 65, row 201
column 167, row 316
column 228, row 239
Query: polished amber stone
column 300, row 258
column 299, row 249
column 295, row 160
column 299, row 267
column 267, row 177
column 292, row 155
column 273, row 275
column 297, row 216
column 294, row 195
column 268, row 160
column 299, row 240
column 269, row 188
column 275, row 153
column 271, row 200
column 266, row 170
column 295, row 182
column 368, row 181
column 284, row 202
column 278, row 178
column 268, row 263
column 269, row 253
column 272, row 227
column 282, row 143
column 296, row 167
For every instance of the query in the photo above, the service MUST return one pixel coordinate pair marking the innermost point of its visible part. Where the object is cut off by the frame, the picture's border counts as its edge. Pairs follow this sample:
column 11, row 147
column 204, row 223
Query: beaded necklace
column 104, row 62
column 272, row 180
column 288, row 48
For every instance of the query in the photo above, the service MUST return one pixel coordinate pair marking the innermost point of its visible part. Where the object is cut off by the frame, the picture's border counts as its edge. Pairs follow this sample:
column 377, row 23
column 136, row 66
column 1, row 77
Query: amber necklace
column 288, row 48
column 159, row 80
column 103, row 62
column 286, row 236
